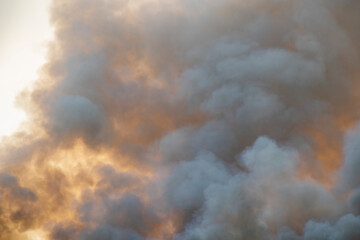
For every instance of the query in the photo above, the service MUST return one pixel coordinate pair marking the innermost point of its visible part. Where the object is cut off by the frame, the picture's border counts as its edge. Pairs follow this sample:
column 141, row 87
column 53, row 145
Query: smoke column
column 190, row 120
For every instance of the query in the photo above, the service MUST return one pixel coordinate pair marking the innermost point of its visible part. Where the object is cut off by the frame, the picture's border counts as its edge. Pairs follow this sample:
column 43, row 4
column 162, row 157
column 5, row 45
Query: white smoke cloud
column 190, row 120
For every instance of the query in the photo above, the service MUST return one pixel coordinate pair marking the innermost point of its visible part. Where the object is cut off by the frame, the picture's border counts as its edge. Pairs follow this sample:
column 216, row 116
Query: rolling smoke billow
column 190, row 120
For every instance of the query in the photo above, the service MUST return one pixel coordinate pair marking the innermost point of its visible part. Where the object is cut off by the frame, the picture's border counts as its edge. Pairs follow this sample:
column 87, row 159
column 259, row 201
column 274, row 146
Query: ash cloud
column 184, row 120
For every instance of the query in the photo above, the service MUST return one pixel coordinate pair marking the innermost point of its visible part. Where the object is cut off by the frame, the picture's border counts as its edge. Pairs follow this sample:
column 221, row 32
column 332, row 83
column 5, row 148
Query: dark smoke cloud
column 190, row 120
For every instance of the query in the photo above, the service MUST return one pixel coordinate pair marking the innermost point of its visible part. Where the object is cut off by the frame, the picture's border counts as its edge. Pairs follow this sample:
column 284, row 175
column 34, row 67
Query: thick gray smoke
column 190, row 120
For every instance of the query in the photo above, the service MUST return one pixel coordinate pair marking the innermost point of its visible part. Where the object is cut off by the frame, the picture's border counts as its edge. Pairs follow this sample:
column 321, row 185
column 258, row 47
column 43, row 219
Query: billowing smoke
column 190, row 120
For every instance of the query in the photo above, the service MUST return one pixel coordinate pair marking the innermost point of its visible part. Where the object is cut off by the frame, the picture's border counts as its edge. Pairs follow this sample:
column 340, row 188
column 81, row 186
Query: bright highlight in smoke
column 25, row 29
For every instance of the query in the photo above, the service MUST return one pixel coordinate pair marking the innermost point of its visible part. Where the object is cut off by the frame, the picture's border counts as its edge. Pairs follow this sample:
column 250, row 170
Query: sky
column 24, row 32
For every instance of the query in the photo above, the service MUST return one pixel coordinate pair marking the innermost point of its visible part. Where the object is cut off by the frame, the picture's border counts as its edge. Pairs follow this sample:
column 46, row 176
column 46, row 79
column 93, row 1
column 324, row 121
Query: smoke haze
column 190, row 120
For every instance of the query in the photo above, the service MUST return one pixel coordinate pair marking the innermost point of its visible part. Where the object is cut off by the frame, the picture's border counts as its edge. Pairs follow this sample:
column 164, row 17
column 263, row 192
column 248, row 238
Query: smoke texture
column 190, row 120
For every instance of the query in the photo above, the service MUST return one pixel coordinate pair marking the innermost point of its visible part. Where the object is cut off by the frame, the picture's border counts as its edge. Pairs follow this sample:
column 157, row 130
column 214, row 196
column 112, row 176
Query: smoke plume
column 190, row 120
